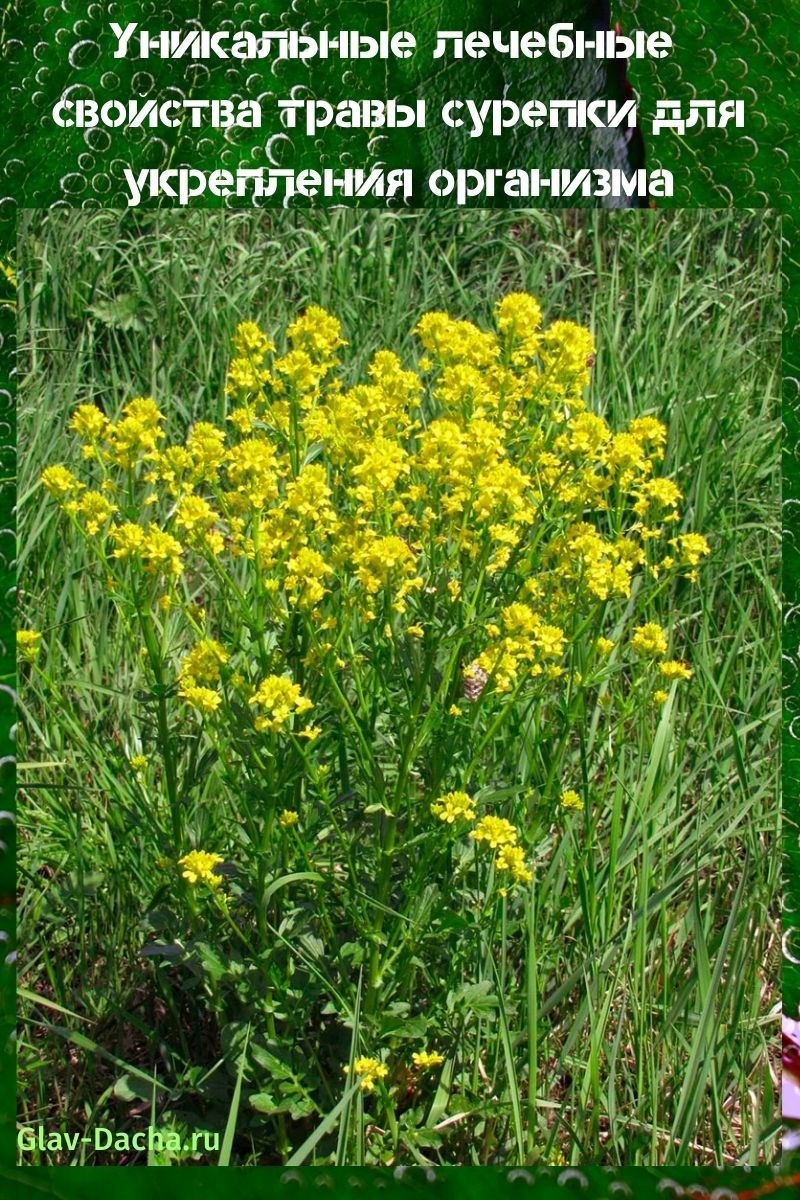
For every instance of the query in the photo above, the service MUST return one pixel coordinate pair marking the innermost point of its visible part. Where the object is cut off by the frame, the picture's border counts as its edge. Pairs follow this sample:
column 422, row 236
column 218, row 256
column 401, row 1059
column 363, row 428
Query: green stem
column 154, row 654
column 384, row 885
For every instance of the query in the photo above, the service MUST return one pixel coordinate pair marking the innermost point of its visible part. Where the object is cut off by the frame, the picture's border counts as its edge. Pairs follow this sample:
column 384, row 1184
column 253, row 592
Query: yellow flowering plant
column 399, row 624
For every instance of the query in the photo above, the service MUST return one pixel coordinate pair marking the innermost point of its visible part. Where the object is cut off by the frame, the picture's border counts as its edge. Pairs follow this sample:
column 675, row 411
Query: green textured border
column 448, row 1183
column 7, row 717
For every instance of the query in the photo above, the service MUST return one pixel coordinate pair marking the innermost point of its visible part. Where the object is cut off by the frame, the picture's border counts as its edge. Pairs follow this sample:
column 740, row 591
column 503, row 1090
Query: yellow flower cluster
column 498, row 833
column 279, row 698
column 691, row 548
column 61, row 483
column 523, row 643
column 199, row 867
column 306, row 571
column 135, row 436
column 157, row 551
column 28, row 644
column 495, row 831
column 473, row 500
column 650, row 640
column 571, row 799
column 199, row 671
column 330, row 488
column 425, row 1060
column 672, row 670
column 503, row 837
column 368, row 1070
column 454, row 806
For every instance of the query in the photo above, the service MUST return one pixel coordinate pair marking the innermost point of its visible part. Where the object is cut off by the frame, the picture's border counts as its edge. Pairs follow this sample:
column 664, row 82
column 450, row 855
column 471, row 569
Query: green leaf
column 132, row 1087
column 233, row 1112
column 121, row 313
column 285, row 880
column 474, row 997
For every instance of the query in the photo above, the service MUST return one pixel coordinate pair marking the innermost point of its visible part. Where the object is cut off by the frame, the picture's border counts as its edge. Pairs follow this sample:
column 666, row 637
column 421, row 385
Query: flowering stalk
column 381, row 622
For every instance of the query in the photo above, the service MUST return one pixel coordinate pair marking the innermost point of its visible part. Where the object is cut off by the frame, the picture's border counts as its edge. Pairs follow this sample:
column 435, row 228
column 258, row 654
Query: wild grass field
column 618, row 1001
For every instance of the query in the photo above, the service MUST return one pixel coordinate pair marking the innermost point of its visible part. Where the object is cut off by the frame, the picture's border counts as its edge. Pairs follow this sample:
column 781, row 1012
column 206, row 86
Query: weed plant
column 400, row 683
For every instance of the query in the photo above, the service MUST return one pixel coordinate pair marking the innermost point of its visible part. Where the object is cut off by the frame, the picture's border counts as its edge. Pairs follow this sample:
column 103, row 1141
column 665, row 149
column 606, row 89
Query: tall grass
column 636, row 1019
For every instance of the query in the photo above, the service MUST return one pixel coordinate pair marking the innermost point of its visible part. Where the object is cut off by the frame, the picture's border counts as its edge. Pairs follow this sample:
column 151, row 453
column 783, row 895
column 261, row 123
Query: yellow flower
column 95, row 510
column 60, row 483
column 425, row 1059
column 454, row 806
column 649, row 639
column 519, row 318
column 129, row 539
column 136, row 435
column 648, row 429
column 251, row 469
column 250, row 342
column 675, row 670
column 302, row 372
column 203, row 662
column 280, row 697
column 452, row 341
column 571, row 799
column 198, row 867
column 161, row 551
column 316, row 332
column 604, row 645
column 567, row 352
column 28, row 644
column 691, row 547
column 496, row 832
column 89, row 422
column 512, row 858
column 656, row 493
column 288, row 818
column 309, row 497
column 381, row 560
column 138, row 762
column 204, row 699
column 587, row 437
column 660, row 697
column 368, row 1070
column 194, row 514
column 205, row 450
column 156, row 549
column 305, row 572
column 243, row 378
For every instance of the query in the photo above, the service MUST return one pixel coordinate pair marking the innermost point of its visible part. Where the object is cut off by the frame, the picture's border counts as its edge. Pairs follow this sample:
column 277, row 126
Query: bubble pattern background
column 408, row 1183
column 67, row 49
column 723, row 49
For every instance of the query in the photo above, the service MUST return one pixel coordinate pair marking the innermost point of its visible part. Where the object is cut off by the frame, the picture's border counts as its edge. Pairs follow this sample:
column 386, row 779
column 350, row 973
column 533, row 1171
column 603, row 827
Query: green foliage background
column 736, row 47
column 684, row 307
